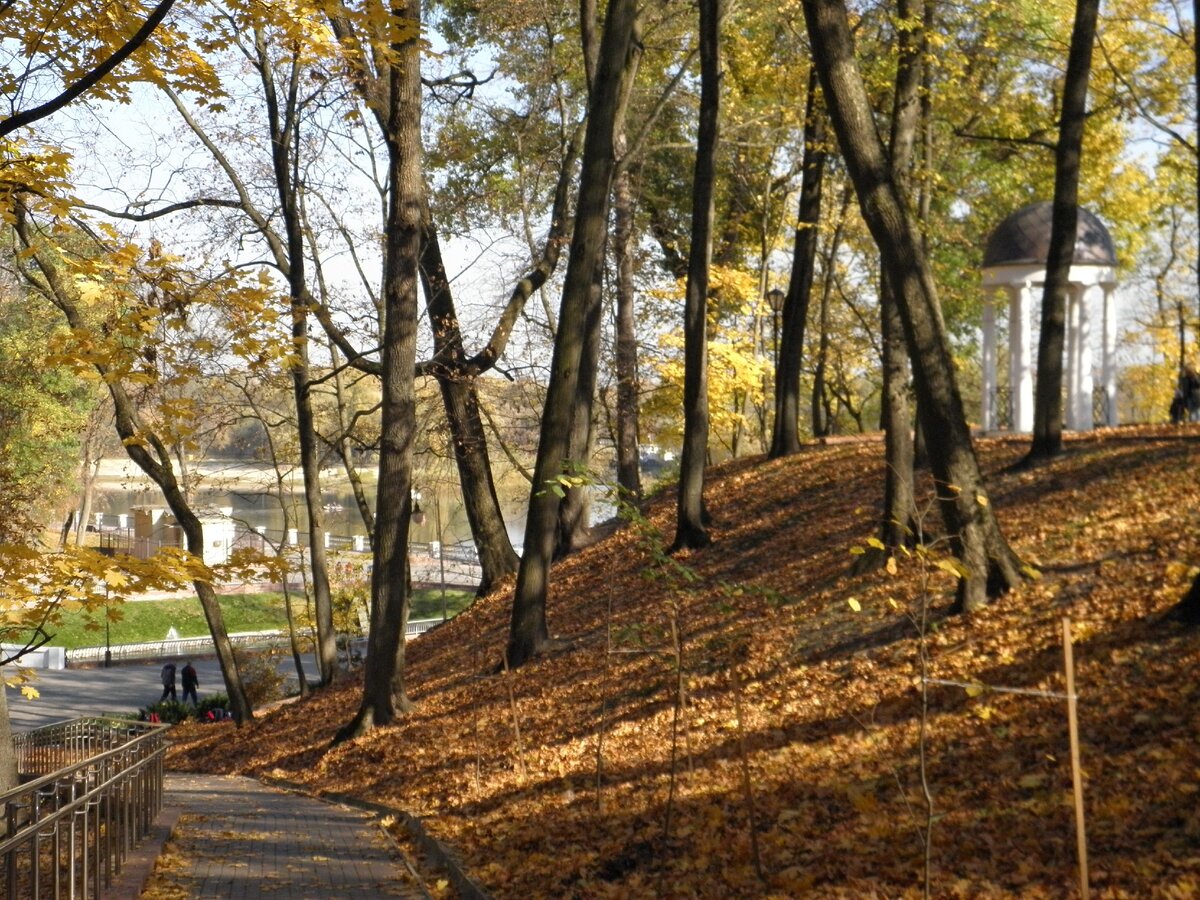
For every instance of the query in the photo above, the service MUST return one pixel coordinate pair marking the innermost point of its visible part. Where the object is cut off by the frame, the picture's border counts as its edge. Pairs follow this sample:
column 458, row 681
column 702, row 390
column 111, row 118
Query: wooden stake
column 1076, row 773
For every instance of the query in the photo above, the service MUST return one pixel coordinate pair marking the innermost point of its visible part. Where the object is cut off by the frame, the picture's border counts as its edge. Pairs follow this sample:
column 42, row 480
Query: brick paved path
column 237, row 838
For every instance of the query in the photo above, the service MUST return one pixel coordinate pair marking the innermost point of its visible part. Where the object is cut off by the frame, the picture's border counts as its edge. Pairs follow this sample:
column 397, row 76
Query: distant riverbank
column 117, row 473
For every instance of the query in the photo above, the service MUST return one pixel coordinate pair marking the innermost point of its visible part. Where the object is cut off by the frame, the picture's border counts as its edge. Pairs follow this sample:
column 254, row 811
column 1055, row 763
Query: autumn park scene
column 516, row 449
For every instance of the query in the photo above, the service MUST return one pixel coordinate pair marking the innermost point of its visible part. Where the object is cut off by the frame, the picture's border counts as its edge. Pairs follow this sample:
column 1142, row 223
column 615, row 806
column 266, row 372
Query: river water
column 248, row 489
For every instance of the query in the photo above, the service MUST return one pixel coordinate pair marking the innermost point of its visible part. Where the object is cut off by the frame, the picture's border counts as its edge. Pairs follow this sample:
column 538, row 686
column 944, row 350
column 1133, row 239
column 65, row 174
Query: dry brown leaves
column 829, row 719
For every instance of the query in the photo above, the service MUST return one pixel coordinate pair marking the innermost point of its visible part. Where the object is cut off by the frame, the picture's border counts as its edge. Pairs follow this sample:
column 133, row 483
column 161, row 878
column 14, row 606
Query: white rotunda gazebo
column 1015, row 262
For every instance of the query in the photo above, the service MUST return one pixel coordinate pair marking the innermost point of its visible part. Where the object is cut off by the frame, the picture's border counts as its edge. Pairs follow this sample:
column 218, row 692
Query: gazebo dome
column 1023, row 239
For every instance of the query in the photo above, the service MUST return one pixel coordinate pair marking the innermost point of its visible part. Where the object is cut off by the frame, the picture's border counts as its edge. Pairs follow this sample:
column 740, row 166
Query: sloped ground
column 795, row 768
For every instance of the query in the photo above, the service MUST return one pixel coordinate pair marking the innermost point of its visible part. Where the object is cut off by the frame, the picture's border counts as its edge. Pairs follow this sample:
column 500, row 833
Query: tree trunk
column 384, row 696
column 629, row 475
column 497, row 558
column 691, row 530
column 899, row 501
column 9, row 777
column 574, row 513
column 528, row 633
column 822, row 418
column 294, row 642
column 310, row 467
column 899, row 509
column 88, row 473
column 345, row 451
column 989, row 565
column 1047, row 410
column 785, row 435
column 283, row 121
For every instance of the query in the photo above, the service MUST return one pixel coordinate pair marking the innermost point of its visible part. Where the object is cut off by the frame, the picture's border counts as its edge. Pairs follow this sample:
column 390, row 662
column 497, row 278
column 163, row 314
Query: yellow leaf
column 975, row 689
column 29, row 692
column 891, row 565
column 115, row 578
column 854, row 604
column 981, row 499
column 953, row 566
column 876, row 543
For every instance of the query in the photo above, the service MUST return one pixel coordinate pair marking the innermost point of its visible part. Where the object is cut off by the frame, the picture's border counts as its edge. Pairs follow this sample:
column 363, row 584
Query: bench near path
column 234, row 837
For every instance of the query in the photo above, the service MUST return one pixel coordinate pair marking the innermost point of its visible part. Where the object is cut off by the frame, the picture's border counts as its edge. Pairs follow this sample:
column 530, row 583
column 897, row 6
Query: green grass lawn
column 150, row 620
column 427, row 602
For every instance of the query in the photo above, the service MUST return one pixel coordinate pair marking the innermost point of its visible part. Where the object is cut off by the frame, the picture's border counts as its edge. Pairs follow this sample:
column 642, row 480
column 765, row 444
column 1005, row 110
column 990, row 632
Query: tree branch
column 164, row 211
column 89, row 80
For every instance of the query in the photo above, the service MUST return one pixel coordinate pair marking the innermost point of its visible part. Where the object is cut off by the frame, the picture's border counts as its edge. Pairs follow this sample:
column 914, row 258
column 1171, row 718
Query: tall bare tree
column 785, row 433
column 528, row 633
column 899, row 507
column 1048, row 404
column 383, row 694
column 691, row 528
column 989, row 565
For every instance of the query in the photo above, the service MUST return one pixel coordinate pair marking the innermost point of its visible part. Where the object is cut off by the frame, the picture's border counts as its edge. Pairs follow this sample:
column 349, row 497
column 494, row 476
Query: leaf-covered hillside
column 794, row 770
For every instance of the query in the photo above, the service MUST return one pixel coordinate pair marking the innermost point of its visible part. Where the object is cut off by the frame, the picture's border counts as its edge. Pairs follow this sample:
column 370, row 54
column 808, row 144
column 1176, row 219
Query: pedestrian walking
column 190, row 683
column 168, row 683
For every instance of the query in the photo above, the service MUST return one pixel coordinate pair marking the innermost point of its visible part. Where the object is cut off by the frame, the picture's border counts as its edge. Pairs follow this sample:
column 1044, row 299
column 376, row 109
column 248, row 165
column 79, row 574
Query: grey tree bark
column 1047, row 407
column 284, row 124
column 383, row 695
column 528, row 633
column 9, row 777
column 899, row 521
column 785, row 433
column 822, row 415
column 628, row 461
column 497, row 558
column 691, row 526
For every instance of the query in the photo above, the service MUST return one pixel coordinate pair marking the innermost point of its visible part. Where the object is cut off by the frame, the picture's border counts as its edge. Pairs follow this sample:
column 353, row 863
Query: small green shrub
column 170, row 712
column 211, row 702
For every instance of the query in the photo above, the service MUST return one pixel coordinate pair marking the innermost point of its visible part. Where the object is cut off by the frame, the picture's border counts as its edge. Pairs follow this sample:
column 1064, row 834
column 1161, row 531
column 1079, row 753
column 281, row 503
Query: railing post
column 10, row 858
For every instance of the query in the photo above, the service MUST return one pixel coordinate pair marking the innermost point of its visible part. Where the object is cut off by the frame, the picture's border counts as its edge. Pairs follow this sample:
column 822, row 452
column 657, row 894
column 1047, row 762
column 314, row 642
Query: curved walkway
column 237, row 838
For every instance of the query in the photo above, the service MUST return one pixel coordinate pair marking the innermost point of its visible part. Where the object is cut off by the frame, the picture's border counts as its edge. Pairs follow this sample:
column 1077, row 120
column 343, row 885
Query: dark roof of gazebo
column 1024, row 239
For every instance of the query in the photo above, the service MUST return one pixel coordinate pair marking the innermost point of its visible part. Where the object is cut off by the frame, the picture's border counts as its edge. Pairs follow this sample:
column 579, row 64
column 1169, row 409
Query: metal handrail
column 98, row 788
column 181, row 647
column 171, row 647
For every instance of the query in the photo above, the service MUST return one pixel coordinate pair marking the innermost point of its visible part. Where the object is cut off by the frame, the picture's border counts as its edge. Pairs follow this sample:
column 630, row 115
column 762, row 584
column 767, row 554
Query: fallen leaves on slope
column 813, row 704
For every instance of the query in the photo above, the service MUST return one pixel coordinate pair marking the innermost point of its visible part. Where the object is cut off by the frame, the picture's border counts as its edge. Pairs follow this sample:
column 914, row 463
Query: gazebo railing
column 97, row 788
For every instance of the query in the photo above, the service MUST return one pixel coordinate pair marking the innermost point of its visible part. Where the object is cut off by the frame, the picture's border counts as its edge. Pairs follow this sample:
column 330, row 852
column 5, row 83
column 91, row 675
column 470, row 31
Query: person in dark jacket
column 168, row 683
column 190, row 682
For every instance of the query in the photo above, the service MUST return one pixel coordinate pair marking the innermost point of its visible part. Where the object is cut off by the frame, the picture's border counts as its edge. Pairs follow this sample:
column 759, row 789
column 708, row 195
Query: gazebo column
column 1109, row 355
column 1071, row 364
column 988, row 405
column 1079, row 415
column 1020, row 357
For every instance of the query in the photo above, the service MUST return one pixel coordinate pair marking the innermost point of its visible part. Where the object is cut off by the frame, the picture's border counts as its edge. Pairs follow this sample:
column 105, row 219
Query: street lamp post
column 437, row 514
column 775, row 299
column 107, row 640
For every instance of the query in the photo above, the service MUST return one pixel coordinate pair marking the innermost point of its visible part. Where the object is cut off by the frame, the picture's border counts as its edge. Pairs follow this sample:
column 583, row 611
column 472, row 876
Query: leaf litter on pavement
column 793, row 766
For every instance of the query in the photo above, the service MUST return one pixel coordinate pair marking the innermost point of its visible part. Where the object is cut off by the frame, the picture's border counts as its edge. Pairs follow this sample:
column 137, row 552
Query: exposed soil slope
column 812, row 705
